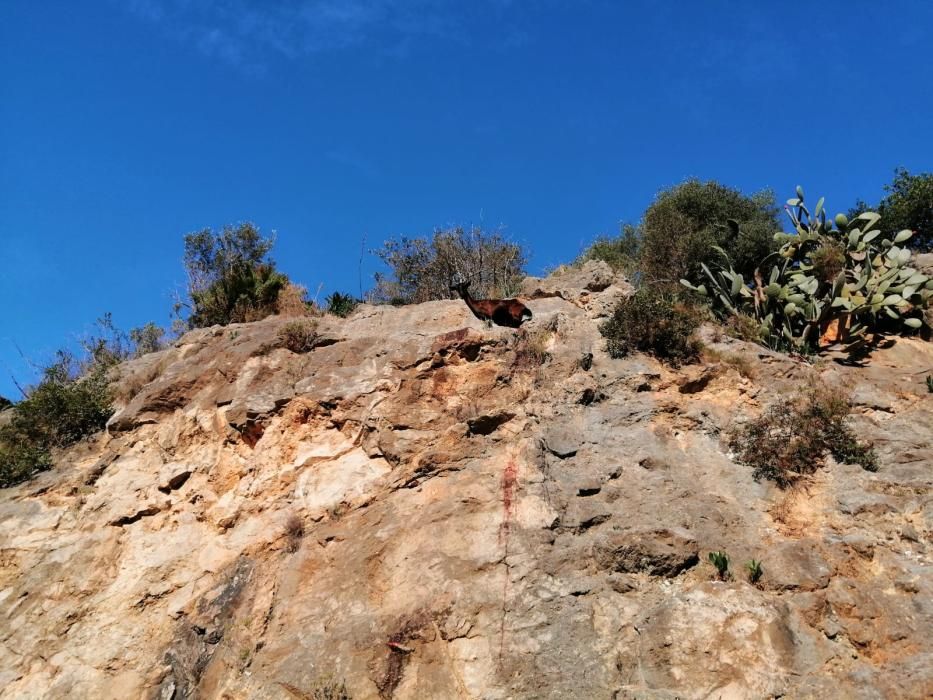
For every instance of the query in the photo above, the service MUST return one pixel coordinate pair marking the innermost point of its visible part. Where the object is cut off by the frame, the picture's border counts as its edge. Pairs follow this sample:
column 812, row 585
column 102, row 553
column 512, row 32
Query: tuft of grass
column 930, row 383
column 294, row 531
column 743, row 327
column 720, row 560
column 793, row 437
column 298, row 336
column 656, row 323
column 530, row 348
column 753, row 567
column 329, row 689
column 741, row 364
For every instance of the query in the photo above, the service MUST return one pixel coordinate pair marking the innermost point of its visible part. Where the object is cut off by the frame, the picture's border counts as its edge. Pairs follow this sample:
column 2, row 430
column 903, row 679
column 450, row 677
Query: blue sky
column 126, row 124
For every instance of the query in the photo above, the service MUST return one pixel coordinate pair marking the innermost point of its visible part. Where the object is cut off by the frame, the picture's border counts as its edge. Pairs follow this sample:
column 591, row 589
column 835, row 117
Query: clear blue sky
column 126, row 124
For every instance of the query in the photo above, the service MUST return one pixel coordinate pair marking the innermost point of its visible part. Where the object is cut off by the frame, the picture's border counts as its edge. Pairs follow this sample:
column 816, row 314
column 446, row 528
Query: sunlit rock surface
column 413, row 509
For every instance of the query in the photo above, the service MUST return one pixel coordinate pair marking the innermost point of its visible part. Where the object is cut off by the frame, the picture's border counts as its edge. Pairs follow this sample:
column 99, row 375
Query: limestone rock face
column 412, row 509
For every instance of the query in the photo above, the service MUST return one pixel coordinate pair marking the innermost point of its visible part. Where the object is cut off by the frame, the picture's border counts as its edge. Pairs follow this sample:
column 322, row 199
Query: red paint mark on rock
column 509, row 482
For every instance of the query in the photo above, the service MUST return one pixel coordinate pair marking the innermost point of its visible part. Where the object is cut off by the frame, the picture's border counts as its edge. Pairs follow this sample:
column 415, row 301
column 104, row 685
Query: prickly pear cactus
column 830, row 277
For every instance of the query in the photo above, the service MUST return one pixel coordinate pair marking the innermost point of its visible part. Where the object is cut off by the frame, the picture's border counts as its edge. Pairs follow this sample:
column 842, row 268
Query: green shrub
column 755, row 572
column 298, row 336
column 341, row 304
column 422, row 268
column 793, row 437
column 20, row 460
column 64, row 407
column 930, row 383
column 230, row 277
column 146, row 339
column 72, row 400
column 908, row 204
column 656, row 323
column 720, row 560
column 5, row 403
column 844, row 279
column 621, row 253
column 680, row 229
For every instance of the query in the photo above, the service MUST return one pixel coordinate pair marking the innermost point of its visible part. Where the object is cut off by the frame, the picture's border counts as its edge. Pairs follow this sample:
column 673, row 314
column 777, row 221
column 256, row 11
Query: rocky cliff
column 425, row 507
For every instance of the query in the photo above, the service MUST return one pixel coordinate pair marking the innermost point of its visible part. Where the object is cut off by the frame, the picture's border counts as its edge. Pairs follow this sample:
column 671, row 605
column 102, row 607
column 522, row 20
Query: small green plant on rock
column 792, row 438
column 930, row 383
column 656, row 323
column 755, row 572
column 720, row 560
column 327, row 689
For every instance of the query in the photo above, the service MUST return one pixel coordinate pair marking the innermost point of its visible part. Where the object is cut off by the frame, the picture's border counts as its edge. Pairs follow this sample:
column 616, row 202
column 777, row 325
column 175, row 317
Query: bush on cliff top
column 678, row 230
column 71, row 401
column 422, row 268
column 831, row 279
column 654, row 322
column 231, row 278
column 907, row 204
column 62, row 408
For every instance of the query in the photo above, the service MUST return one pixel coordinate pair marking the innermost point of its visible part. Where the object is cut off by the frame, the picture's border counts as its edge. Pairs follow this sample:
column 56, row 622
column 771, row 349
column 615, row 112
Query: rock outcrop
column 415, row 509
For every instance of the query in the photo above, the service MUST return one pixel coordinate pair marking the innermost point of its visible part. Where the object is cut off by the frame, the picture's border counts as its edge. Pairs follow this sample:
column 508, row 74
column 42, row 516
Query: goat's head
column 459, row 283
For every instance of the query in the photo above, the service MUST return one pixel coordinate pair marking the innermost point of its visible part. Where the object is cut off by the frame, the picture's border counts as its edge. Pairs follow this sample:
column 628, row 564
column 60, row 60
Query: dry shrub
column 328, row 689
column 294, row 531
column 422, row 268
column 741, row 364
column 298, row 336
column 828, row 261
column 325, row 688
column 743, row 327
column 530, row 348
column 247, row 312
column 794, row 436
column 292, row 301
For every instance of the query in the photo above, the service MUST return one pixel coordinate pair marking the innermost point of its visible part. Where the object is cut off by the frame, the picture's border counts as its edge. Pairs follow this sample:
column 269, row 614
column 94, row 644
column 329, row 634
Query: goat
column 502, row 312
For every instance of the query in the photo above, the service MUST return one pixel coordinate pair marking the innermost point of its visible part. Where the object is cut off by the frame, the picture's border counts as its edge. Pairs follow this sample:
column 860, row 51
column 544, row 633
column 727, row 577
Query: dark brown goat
column 502, row 312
